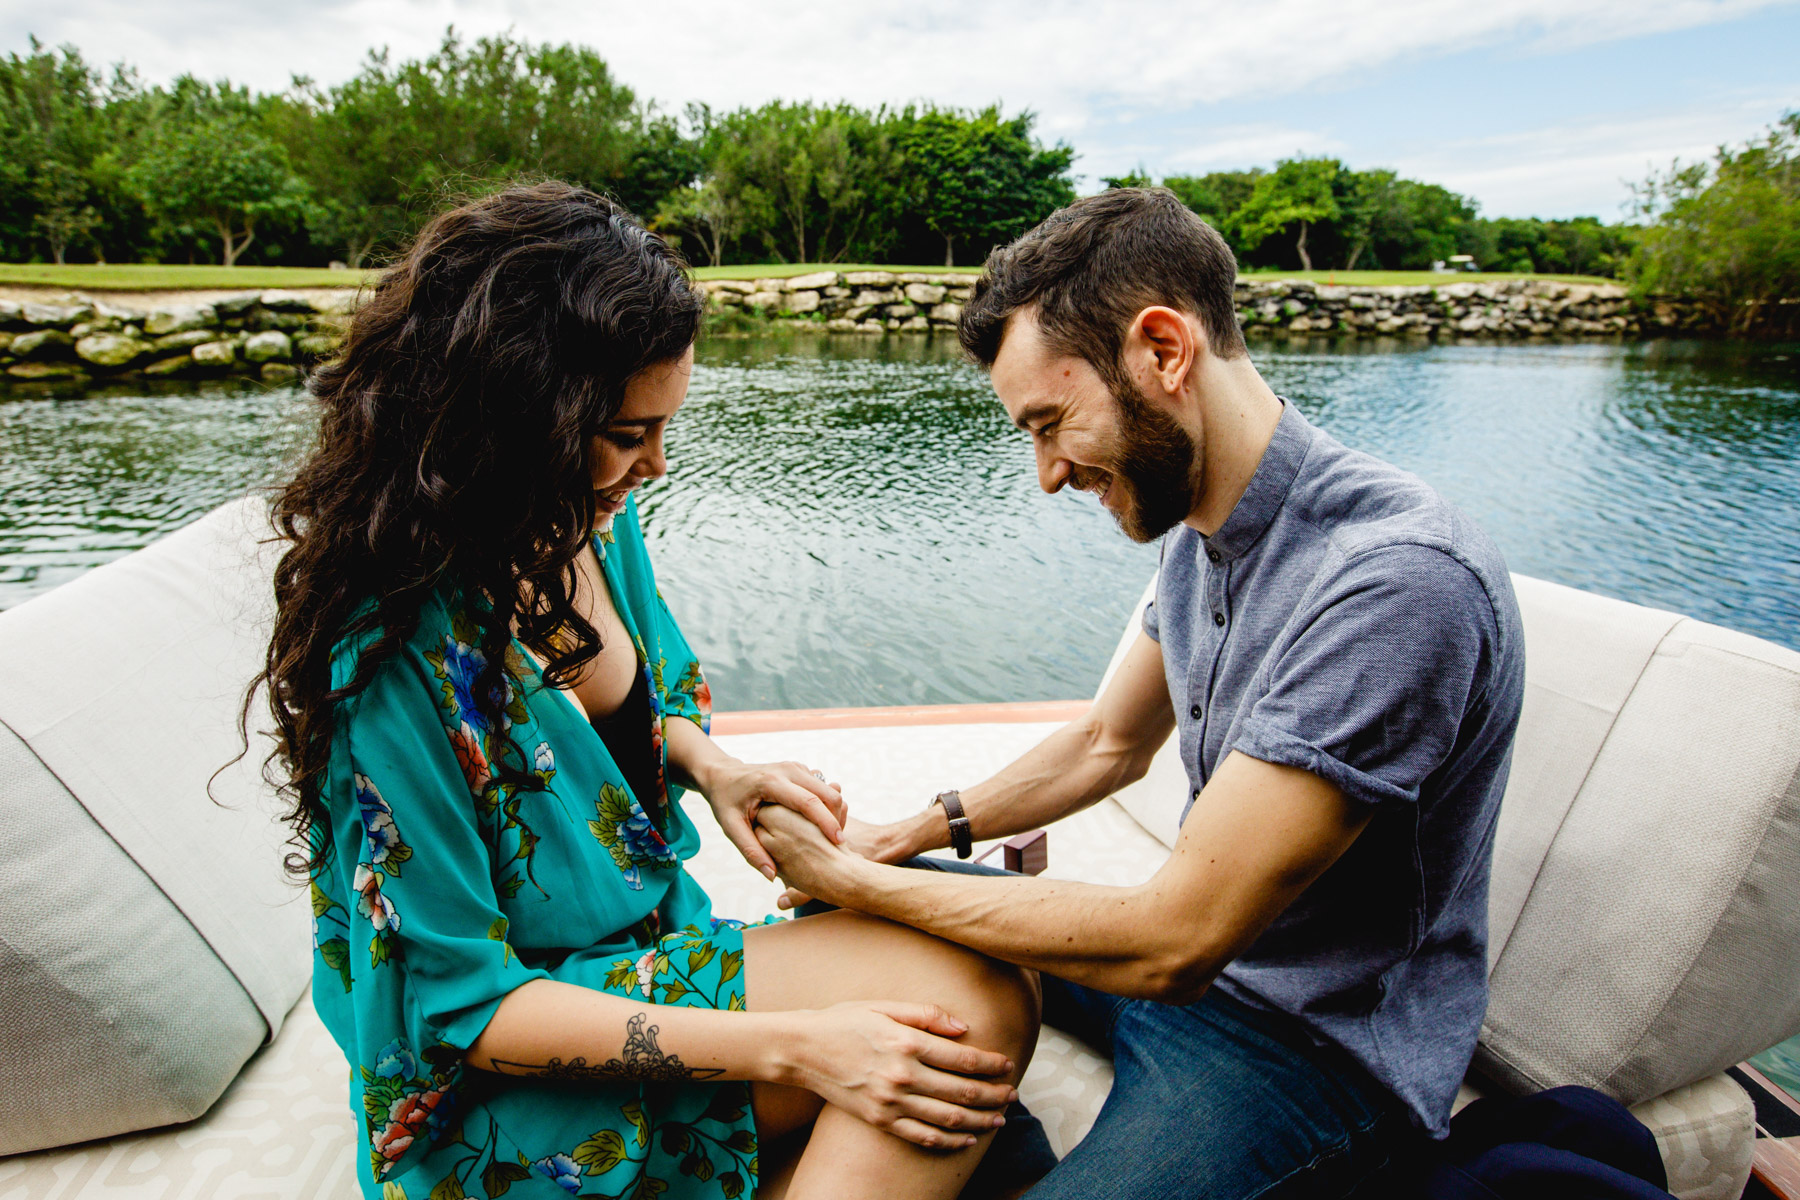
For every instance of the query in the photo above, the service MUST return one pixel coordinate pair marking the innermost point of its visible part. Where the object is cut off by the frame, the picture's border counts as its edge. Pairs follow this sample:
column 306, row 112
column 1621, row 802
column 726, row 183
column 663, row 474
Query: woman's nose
column 653, row 463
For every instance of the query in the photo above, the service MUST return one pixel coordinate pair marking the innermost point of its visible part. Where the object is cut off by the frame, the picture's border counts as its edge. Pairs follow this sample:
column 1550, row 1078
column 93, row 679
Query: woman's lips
column 612, row 500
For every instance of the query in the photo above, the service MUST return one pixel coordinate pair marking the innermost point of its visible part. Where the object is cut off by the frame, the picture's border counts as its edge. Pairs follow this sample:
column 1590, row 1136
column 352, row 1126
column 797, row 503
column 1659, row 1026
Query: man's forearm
column 1105, row 937
column 1074, row 767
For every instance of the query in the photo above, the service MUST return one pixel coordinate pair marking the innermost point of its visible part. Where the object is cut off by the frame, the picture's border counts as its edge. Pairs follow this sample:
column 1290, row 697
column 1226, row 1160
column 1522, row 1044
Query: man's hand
column 806, row 859
column 742, row 792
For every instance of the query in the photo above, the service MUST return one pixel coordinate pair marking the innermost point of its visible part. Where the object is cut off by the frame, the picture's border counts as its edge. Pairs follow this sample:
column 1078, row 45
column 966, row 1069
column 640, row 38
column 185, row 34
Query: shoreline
column 52, row 335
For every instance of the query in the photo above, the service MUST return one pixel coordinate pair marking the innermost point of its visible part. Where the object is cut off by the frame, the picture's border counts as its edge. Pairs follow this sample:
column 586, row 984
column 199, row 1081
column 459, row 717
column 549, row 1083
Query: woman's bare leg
column 815, row 962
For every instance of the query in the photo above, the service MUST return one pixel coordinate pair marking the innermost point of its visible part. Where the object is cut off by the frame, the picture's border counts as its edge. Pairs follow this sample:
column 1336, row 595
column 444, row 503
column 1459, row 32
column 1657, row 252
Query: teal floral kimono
column 446, row 889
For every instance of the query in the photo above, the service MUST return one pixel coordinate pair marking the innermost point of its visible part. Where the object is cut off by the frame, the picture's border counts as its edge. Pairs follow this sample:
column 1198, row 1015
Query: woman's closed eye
column 624, row 441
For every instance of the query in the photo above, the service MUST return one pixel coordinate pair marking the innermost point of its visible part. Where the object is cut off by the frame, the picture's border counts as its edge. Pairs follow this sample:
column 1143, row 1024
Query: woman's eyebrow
column 644, row 422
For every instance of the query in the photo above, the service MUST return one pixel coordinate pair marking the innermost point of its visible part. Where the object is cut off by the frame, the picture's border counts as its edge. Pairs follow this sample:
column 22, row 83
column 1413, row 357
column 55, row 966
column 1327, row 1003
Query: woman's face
column 629, row 451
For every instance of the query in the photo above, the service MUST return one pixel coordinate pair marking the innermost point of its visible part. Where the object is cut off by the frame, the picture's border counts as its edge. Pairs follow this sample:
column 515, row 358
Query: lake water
column 854, row 522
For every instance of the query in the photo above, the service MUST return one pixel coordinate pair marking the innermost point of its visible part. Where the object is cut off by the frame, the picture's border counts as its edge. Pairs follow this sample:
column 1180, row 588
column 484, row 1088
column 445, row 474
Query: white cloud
column 1583, row 168
column 1077, row 62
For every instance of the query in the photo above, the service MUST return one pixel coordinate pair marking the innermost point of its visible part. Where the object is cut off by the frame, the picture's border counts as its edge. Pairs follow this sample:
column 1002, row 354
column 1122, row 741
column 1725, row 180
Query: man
column 1296, row 993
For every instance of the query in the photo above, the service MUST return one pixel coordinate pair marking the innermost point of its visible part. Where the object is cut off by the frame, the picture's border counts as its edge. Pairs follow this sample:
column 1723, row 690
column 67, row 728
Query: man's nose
column 1053, row 472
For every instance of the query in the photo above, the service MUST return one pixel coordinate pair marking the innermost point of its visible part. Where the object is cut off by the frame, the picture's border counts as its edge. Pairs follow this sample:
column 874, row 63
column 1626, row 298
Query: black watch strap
column 959, row 822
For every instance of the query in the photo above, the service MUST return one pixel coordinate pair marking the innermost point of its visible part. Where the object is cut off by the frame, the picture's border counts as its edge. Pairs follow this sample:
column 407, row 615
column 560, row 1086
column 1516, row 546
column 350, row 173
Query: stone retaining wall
column 885, row 302
column 274, row 334
column 278, row 334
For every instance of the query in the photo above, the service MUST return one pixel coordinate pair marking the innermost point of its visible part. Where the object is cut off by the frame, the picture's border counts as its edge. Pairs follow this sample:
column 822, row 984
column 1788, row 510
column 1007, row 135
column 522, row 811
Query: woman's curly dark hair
column 453, row 449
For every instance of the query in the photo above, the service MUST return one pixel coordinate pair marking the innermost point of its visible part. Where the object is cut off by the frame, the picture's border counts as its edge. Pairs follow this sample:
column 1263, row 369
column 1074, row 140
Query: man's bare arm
column 1259, row 834
column 1084, row 762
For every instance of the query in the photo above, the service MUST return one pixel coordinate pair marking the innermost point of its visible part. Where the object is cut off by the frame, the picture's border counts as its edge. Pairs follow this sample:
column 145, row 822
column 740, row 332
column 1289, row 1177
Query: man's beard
column 1156, row 464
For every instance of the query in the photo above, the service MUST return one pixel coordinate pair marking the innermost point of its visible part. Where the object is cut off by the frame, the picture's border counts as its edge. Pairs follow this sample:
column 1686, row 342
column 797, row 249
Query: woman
column 487, row 713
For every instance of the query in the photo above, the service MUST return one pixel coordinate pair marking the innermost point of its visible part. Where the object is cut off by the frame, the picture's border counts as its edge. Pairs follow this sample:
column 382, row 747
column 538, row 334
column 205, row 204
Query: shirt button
column 1212, row 554
column 1218, row 618
column 1194, row 712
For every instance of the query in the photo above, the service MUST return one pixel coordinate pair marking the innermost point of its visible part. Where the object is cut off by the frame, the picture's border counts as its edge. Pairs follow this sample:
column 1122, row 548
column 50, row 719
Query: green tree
column 1137, row 177
column 1298, row 192
column 979, row 177
column 705, row 211
column 1726, row 232
column 52, row 129
column 210, row 165
column 813, row 181
column 1216, row 196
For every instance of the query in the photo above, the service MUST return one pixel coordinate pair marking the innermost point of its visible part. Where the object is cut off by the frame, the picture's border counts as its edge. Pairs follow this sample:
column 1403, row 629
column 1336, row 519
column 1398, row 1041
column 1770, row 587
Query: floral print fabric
column 447, row 888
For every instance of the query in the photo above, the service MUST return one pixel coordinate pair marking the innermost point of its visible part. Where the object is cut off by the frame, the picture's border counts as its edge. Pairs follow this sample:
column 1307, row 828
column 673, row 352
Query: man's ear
column 1169, row 345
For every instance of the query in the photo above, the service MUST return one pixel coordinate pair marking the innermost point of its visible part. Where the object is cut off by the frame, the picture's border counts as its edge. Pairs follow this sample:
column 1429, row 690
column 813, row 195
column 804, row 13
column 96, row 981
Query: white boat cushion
column 119, row 692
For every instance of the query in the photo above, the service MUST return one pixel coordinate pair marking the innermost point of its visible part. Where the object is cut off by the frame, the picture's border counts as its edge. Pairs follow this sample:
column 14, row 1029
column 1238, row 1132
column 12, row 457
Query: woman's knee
column 1000, row 1003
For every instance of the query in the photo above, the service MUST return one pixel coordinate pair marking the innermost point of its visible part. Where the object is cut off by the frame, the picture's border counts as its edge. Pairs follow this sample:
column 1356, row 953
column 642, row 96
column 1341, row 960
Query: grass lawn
column 158, row 277
column 789, row 270
column 1415, row 278
column 154, row 277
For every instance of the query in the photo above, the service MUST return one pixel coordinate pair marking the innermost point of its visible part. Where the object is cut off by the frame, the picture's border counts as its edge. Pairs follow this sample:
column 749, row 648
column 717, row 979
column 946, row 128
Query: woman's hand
column 739, row 791
column 895, row 1066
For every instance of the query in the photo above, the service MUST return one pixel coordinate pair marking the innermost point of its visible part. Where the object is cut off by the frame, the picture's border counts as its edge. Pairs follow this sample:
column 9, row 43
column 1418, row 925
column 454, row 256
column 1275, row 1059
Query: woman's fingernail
column 784, row 902
column 769, row 871
column 959, row 1026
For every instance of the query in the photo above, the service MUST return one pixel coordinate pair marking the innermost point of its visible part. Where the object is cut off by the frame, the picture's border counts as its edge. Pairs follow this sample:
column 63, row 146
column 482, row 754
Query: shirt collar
column 1268, row 488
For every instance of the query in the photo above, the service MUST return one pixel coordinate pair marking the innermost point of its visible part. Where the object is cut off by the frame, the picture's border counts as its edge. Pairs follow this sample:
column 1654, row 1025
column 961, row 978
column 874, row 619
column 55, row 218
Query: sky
column 1532, row 107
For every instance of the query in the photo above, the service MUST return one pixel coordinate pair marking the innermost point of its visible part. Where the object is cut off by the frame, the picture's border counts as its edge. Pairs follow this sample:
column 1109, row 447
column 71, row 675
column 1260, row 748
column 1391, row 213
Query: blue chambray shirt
column 1348, row 620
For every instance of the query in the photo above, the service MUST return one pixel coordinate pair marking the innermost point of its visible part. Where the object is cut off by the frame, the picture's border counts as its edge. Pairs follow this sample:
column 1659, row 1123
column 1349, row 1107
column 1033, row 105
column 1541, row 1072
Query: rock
column 765, row 299
column 870, row 326
column 838, row 293
column 42, row 343
column 318, row 345
column 56, row 316
column 925, row 294
column 870, row 296
column 279, row 372
column 915, row 324
column 179, row 320
column 1292, row 308
column 948, row 314
column 280, row 300
column 173, row 365
column 341, row 303
column 283, row 320
column 801, row 302
column 770, row 285
column 742, row 287
column 110, row 349
column 215, row 354
column 1473, row 323
column 270, row 346
column 726, row 299
column 857, row 312
column 9, row 311
column 43, row 370
column 123, row 316
column 6, row 341
column 238, row 305
column 813, row 282
column 841, row 325
column 870, row 279
column 900, row 311
column 81, row 329
column 332, row 322
column 185, row 340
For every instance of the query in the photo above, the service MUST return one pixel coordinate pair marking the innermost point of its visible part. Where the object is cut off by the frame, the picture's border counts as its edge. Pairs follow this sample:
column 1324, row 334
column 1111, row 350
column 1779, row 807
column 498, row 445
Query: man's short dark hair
column 1092, row 267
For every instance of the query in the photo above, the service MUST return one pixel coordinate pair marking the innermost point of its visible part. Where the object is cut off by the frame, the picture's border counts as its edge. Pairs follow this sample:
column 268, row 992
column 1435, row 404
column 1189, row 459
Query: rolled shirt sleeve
column 1371, row 686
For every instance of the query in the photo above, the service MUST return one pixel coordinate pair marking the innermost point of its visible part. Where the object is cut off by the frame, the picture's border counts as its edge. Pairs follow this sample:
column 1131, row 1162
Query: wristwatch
column 959, row 821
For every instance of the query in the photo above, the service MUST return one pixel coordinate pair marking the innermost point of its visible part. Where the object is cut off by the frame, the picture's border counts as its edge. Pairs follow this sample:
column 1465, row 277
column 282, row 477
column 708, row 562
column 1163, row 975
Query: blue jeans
column 1214, row 1099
